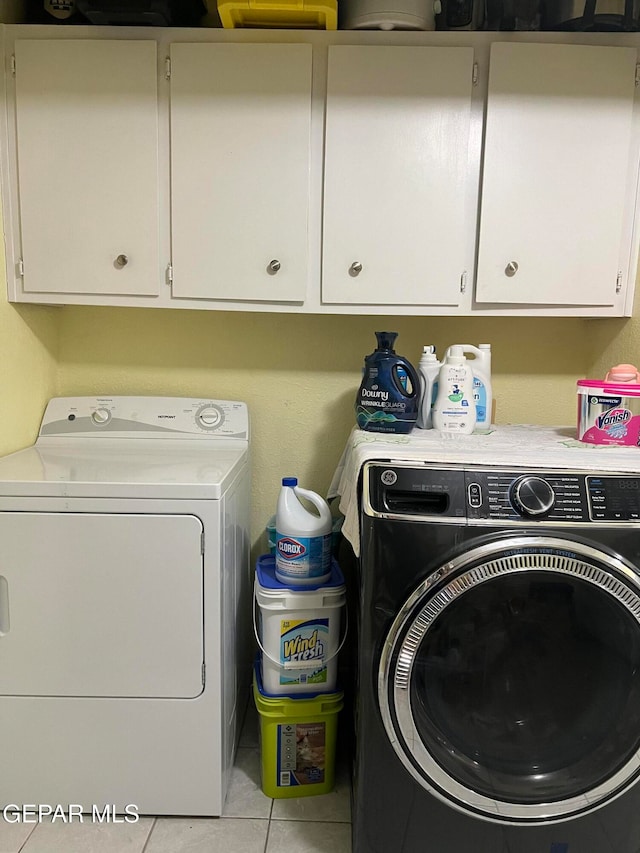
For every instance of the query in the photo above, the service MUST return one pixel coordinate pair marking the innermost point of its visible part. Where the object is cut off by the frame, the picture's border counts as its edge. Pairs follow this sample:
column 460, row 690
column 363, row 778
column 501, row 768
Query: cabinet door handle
column 122, row 261
column 355, row 268
column 273, row 266
column 511, row 269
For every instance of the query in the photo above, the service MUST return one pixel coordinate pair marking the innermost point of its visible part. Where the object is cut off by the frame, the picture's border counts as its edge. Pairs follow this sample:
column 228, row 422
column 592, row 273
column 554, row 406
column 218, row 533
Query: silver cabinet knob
column 122, row 261
column 355, row 268
column 274, row 266
column 511, row 269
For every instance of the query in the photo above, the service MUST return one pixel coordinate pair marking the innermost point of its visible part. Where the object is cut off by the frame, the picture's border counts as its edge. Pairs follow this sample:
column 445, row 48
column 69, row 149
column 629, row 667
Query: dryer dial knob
column 101, row 416
column 532, row 496
column 209, row 417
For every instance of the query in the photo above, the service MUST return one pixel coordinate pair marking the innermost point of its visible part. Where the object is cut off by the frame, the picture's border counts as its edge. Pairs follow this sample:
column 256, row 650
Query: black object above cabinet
column 153, row 13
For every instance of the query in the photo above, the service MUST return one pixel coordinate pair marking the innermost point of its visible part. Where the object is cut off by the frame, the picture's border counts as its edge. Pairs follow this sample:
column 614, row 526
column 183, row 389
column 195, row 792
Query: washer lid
column 122, row 468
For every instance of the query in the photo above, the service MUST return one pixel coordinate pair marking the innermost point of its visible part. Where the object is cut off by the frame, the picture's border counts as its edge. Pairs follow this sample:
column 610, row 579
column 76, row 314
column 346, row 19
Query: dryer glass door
column 513, row 686
column 101, row 604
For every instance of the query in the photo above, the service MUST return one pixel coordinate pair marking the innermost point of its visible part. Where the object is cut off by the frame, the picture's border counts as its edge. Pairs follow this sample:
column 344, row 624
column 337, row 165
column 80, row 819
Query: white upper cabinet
column 560, row 168
column 395, row 229
column 87, row 166
column 323, row 172
column 240, row 143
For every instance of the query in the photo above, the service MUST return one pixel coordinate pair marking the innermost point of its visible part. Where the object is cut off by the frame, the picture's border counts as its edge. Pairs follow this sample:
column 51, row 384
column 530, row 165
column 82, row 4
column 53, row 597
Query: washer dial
column 532, row 496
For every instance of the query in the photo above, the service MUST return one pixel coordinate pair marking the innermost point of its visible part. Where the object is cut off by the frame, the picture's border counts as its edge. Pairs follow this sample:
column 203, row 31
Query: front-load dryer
column 498, row 701
column 125, row 605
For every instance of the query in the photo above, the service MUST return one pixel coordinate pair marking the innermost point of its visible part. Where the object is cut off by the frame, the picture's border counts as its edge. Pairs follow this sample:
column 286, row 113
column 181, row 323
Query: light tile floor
column 251, row 822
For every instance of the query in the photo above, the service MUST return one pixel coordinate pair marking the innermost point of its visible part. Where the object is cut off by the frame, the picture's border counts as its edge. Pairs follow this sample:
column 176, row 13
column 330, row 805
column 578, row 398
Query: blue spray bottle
column 389, row 394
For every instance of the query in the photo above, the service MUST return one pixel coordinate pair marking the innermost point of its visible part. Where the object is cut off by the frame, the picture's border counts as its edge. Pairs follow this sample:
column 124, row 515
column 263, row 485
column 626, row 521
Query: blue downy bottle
column 388, row 397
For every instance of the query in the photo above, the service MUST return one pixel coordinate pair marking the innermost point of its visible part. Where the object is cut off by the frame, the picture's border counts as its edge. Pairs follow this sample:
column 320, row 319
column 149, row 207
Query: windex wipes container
column 609, row 412
column 303, row 538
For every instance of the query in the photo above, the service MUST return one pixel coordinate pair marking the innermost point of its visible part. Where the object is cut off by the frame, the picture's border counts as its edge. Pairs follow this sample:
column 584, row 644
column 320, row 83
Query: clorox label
column 290, row 549
column 302, row 558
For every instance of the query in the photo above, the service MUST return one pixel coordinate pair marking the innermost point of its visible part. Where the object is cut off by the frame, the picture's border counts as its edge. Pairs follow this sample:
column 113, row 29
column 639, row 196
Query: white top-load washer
column 125, row 605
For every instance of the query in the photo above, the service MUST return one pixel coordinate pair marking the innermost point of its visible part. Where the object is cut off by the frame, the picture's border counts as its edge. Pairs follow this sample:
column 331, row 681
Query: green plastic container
column 297, row 741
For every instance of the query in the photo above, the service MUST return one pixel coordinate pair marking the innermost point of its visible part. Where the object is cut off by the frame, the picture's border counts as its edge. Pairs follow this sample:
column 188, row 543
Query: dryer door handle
column 4, row 606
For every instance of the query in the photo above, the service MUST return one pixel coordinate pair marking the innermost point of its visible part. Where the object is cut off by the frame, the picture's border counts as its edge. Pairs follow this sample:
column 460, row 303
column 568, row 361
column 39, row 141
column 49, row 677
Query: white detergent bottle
column 454, row 410
column 480, row 365
column 303, row 538
column 428, row 370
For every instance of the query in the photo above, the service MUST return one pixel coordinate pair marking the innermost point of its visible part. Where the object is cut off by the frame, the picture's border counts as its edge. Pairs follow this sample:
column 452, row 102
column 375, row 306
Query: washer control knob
column 532, row 496
column 209, row 417
column 101, row 416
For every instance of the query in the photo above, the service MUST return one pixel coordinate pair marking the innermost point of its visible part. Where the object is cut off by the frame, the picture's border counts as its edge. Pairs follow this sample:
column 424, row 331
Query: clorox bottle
column 389, row 393
column 303, row 538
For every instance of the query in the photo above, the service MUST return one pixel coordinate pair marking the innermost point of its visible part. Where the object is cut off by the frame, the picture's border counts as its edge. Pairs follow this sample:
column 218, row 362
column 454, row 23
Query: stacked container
column 279, row 14
column 298, row 630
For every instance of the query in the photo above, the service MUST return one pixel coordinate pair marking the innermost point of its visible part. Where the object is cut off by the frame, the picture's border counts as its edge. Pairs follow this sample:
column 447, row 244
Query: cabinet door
column 555, row 176
column 396, row 173
column 87, row 141
column 240, row 136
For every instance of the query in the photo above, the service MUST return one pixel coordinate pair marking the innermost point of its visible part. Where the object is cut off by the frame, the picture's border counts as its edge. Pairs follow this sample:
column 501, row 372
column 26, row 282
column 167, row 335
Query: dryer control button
column 532, row 496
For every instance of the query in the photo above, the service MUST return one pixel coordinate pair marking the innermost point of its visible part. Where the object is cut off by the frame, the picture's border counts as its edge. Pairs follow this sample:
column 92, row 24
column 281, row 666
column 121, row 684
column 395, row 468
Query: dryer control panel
column 145, row 417
column 461, row 494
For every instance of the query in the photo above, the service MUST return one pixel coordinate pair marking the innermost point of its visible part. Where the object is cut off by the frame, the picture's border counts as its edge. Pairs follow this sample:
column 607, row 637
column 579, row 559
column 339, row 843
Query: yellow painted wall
column 28, row 367
column 615, row 341
column 299, row 374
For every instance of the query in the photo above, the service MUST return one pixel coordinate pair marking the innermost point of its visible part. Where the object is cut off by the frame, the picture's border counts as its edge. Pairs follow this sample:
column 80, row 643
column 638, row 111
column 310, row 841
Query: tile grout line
column 266, row 841
column 312, row 820
column 26, row 841
column 153, row 826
